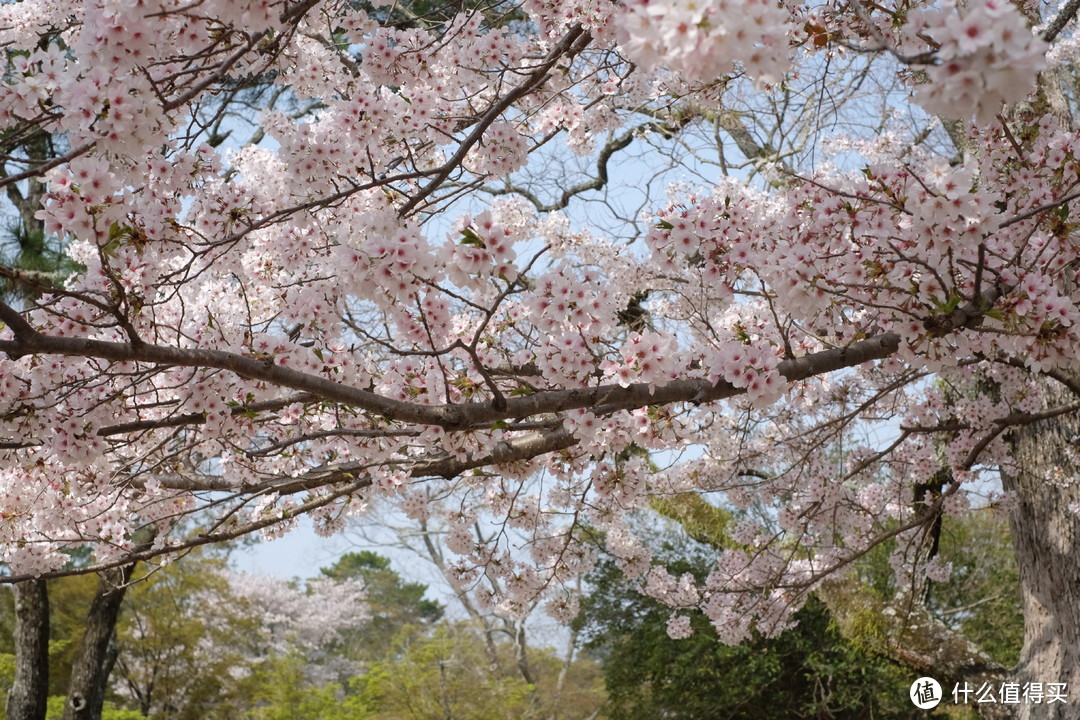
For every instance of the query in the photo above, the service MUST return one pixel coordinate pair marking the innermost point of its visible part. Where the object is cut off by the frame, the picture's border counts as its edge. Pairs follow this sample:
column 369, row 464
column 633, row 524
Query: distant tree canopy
column 392, row 602
column 824, row 667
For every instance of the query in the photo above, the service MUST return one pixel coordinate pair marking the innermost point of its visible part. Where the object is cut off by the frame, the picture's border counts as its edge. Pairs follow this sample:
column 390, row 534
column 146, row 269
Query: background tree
column 392, row 602
column 185, row 639
column 843, row 665
column 446, row 673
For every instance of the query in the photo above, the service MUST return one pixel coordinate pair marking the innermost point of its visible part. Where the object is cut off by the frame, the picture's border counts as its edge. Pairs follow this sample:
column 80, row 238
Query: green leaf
column 469, row 237
column 117, row 233
column 948, row 305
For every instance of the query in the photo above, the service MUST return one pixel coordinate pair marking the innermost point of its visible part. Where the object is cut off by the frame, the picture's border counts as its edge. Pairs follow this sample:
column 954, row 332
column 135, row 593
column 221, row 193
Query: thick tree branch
column 507, row 451
column 608, row 398
column 452, row 417
column 1063, row 18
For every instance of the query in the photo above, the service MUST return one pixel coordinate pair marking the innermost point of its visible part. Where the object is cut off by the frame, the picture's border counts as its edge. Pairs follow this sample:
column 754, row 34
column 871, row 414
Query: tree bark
column 97, row 652
column 29, row 692
column 1046, row 535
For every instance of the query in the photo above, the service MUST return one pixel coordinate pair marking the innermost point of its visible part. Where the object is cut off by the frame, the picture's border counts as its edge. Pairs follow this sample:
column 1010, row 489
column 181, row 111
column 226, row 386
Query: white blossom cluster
column 987, row 57
column 704, row 40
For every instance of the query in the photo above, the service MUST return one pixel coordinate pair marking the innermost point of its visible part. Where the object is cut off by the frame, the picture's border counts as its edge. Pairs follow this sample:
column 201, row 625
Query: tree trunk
column 97, row 652
column 1046, row 535
column 29, row 692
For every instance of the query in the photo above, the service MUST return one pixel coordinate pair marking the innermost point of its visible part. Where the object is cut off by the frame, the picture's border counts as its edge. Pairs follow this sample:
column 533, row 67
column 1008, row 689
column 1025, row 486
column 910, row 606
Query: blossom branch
column 459, row 416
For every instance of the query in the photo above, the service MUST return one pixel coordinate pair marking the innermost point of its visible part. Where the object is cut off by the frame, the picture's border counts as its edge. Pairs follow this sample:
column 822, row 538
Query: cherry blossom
column 330, row 262
column 986, row 58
